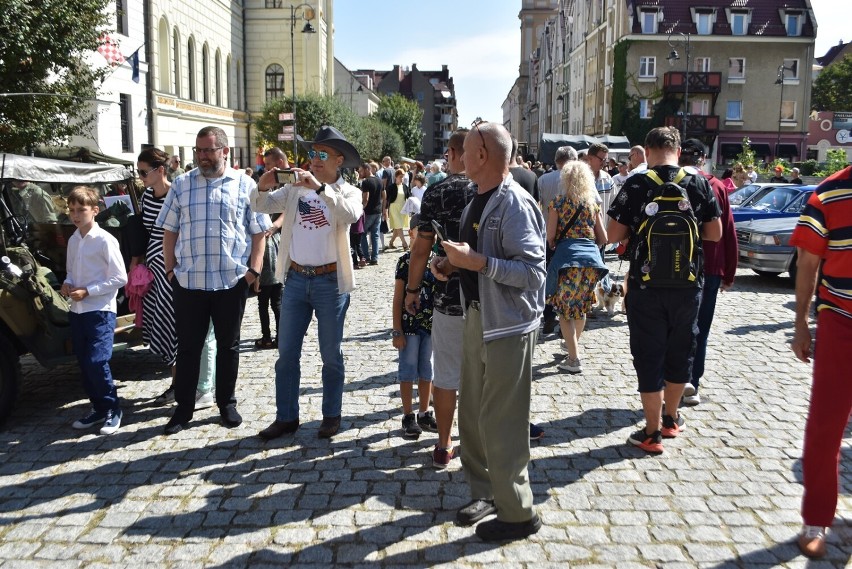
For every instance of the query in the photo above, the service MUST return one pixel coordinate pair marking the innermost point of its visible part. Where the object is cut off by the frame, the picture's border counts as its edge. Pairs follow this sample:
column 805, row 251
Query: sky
column 479, row 40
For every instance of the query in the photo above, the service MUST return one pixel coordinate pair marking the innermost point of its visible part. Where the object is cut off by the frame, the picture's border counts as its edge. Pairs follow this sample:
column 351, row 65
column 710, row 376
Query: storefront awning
column 787, row 150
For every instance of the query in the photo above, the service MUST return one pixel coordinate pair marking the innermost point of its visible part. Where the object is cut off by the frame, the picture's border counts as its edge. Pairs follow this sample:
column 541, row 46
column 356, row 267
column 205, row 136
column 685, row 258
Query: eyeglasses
column 475, row 125
column 213, row 150
column 323, row 155
column 144, row 174
column 598, row 157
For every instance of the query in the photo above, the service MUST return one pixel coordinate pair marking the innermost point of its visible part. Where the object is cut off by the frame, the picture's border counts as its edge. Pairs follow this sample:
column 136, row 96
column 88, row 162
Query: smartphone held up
column 287, row 176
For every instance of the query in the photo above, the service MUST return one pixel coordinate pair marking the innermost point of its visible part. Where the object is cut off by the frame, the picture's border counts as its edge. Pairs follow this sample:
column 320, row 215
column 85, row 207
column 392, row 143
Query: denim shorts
column 415, row 359
column 663, row 325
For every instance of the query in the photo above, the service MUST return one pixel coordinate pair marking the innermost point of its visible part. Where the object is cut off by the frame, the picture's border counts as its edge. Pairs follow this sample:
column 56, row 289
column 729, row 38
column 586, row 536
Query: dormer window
column 704, row 18
column 793, row 21
column 649, row 18
column 739, row 23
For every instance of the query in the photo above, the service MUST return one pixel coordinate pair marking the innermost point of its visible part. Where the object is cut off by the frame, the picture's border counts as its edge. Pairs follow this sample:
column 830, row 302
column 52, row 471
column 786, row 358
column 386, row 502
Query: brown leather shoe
column 812, row 541
column 278, row 428
column 329, row 427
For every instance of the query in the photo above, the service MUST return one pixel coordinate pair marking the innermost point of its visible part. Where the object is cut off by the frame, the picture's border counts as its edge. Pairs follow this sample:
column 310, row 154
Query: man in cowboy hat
column 317, row 209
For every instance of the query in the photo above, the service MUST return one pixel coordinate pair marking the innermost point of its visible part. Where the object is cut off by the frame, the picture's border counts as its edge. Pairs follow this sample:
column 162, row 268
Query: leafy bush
column 835, row 161
column 808, row 167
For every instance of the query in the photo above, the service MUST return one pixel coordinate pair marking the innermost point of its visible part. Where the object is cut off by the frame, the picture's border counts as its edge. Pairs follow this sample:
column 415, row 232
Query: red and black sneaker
column 652, row 443
column 673, row 427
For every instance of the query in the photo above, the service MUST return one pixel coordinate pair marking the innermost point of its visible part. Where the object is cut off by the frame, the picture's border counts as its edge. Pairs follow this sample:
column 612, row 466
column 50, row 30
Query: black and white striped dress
column 158, row 313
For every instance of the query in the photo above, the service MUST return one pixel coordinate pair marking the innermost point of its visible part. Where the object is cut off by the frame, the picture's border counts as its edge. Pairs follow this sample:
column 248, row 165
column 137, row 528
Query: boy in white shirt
column 95, row 272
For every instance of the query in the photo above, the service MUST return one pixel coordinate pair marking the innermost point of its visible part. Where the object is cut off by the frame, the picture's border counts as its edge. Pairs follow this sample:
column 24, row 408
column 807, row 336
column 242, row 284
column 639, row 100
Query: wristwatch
column 321, row 189
column 395, row 333
column 413, row 290
column 484, row 269
column 255, row 273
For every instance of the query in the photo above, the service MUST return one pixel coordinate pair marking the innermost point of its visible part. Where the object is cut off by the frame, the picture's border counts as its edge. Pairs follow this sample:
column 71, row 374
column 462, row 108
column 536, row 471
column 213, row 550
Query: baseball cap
column 693, row 147
column 779, row 168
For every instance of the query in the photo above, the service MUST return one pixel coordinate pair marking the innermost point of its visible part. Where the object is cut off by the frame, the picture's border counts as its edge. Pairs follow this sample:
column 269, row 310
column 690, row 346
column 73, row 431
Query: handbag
column 383, row 227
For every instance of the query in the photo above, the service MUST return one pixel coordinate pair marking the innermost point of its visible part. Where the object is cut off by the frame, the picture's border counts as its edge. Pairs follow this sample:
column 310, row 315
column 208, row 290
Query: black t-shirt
column 628, row 208
column 373, row 186
column 470, row 235
column 527, row 179
column 444, row 202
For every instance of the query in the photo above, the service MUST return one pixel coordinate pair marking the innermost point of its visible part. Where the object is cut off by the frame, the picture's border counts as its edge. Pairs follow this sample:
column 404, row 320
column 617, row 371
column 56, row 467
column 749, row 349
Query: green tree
column 835, row 161
column 405, row 116
column 746, row 157
column 832, row 90
column 44, row 48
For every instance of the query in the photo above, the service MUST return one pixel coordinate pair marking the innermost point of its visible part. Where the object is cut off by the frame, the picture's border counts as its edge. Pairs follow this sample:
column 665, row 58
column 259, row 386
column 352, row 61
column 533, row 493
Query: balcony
column 696, row 125
column 675, row 82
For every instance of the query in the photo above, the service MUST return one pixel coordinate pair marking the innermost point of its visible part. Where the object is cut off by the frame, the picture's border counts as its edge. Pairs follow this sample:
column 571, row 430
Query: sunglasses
column 323, row 155
column 144, row 174
column 475, row 125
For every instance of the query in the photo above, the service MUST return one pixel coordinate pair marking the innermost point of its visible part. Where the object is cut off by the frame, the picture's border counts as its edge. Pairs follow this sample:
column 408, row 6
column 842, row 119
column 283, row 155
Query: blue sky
column 478, row 39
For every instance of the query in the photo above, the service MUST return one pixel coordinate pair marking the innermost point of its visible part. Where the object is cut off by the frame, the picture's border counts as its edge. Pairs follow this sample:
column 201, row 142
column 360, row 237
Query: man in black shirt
column 523, row 176
column 661, row 320
column 373, row 198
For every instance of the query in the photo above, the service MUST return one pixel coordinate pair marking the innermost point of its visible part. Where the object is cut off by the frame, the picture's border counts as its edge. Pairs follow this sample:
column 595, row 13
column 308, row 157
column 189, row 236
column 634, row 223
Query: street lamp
column 308, row 15
column 780, row 81
column 673, row 56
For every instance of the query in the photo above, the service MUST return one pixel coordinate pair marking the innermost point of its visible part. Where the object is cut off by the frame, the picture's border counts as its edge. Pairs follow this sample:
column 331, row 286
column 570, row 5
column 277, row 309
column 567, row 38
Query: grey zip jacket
column 511, row 234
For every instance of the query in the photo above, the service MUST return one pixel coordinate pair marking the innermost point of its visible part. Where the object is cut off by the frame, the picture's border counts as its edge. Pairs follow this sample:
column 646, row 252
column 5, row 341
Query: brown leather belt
column 313, row 271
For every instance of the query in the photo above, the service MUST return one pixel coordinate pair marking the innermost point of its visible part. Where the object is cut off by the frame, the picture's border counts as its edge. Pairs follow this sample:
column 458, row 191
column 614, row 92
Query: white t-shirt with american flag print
column 312, row 244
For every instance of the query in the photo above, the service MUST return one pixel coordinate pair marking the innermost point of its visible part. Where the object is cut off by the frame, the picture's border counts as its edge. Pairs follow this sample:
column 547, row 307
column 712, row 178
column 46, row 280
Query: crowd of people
column 488, row 265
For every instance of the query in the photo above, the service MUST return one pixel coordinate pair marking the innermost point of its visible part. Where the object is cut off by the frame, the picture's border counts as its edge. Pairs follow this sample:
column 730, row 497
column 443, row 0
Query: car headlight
column 759, row 239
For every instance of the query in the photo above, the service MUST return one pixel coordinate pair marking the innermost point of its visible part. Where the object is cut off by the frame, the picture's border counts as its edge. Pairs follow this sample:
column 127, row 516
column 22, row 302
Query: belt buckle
column 310, row 271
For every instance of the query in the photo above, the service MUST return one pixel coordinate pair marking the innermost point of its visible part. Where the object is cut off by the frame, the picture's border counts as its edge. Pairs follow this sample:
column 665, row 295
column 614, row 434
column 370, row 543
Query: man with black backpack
column 665, row 213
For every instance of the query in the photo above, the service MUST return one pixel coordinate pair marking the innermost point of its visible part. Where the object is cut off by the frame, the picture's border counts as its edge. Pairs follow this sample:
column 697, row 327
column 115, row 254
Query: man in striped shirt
column 823, row 238
column 213, row 247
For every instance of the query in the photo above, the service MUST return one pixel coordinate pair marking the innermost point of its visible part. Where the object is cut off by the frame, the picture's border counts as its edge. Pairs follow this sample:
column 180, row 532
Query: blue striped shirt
column 214, row 223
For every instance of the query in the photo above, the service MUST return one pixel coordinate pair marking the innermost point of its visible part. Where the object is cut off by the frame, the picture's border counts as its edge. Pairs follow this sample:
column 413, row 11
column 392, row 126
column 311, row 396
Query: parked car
column 764, row 246
column 781, row 201
column 742, row 196
column 33, row 245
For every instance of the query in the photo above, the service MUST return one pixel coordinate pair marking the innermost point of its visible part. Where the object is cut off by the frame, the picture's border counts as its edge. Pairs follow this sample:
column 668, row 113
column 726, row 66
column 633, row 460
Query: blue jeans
column 415, row 359
column 372, row 222
column 705, row 320
column 92, row 336
column 302, row 297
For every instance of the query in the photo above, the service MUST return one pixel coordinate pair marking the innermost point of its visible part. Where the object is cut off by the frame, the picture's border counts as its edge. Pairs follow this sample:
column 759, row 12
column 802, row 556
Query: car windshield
column 737, row 197
column 799, row 203
column 776, row 199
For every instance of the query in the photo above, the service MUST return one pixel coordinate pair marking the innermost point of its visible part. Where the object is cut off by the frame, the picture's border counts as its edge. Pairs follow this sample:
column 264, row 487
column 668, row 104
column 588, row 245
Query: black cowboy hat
column 333, row 138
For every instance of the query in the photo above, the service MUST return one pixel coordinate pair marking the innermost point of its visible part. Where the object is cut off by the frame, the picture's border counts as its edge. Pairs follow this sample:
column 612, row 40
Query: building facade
column 355, row 91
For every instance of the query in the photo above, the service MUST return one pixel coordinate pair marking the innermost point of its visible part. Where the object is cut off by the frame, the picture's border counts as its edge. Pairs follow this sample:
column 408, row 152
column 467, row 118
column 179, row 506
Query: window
column 274, row 82
column 739, row 23
column 699, row 107
column 788, row 111
column 791, row 69
column 736, row 68
column 704, row 23
column 190, row 60
column 646, row 108
column 273, row 3
column 205, row 74
column 734, row 111
column 794, row 24
column 647, row 66
column 121, row 17
column 217, row 78
column 702, row 64
column 648, row 19
column 176, row 58
column 126, row 118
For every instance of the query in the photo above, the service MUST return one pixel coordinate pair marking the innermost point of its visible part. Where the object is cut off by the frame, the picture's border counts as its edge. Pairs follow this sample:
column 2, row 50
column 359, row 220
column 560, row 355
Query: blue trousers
column 705, row 320
column 303, row 296
column 372, row 222
column 92, row 336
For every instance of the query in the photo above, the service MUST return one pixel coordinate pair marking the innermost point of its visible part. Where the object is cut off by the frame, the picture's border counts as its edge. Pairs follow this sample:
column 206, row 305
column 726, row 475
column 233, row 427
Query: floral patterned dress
column 575, row 291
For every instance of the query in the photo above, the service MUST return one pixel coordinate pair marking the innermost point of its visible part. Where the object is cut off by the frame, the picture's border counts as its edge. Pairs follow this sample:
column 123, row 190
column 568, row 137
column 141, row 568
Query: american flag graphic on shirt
column 311, row 214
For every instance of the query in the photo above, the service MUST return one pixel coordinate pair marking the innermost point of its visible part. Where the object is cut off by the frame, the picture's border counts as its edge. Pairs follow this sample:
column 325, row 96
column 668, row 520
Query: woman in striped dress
column 158, row 313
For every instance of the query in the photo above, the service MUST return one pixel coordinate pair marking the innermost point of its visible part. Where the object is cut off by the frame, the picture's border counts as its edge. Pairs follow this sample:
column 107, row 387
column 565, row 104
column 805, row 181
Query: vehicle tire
column 10, row 376
column 768, row 274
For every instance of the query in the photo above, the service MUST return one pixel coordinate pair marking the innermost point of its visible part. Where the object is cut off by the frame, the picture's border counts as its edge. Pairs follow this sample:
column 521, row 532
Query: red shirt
column 825, row 229
column 720, row 257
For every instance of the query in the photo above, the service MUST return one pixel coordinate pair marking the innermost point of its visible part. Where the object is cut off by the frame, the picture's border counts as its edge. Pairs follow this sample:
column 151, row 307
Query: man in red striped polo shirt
column 823, row 237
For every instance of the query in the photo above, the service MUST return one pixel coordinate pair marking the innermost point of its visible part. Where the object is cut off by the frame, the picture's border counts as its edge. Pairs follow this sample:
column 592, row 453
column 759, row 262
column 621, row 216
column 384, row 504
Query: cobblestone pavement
column 725, row 494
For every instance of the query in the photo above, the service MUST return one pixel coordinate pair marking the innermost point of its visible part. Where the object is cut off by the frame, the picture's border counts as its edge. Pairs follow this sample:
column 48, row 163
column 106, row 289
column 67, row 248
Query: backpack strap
column 681, row 174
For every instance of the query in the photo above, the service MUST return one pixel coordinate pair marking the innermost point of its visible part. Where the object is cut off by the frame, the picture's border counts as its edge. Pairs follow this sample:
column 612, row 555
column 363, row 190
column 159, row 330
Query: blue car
column 781, row 201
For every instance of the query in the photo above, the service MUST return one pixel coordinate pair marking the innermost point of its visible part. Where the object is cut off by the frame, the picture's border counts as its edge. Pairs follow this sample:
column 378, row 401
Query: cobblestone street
column 725, row 494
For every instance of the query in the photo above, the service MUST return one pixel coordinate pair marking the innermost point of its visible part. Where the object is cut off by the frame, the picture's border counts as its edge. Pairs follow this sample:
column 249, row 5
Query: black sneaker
column 410, row 428
column 496, row 530
column 536, row 432
column 652, row 443
column 427, row 422
column 673, row 427
column 230, row 417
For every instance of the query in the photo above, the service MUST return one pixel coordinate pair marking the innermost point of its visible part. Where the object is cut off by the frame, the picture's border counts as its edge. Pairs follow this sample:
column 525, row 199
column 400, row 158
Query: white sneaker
column 112, row 423
column 689, row 390
column 692, row 400
column 204, row 400
column 571, row 365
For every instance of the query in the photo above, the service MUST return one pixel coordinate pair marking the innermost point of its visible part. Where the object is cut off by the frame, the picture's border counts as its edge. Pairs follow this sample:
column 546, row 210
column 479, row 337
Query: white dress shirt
column 94, row 262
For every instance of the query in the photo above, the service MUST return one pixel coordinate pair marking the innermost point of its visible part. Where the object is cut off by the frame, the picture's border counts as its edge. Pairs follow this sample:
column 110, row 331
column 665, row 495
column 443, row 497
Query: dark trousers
column 92, row 336
column 705, row 319
column 355, row 247
column 549, row 312
column 269, row 295
column 194, row 309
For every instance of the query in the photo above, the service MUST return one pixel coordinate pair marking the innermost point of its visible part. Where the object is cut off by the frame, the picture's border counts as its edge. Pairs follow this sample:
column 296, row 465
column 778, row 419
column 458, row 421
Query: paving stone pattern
column 725, row 494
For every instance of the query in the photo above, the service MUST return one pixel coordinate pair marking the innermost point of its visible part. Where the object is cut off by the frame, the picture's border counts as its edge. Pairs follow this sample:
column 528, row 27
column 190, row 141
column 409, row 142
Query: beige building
column 355, row 91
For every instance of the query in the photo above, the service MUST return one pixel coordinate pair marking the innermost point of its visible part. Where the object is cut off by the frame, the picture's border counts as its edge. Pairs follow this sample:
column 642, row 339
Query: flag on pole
column 134, row 65
column 109, row 48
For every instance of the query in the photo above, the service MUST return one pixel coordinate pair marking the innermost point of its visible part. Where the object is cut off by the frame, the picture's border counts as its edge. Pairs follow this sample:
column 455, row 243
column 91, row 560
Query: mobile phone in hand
column 439, row 230
column 287, row 176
